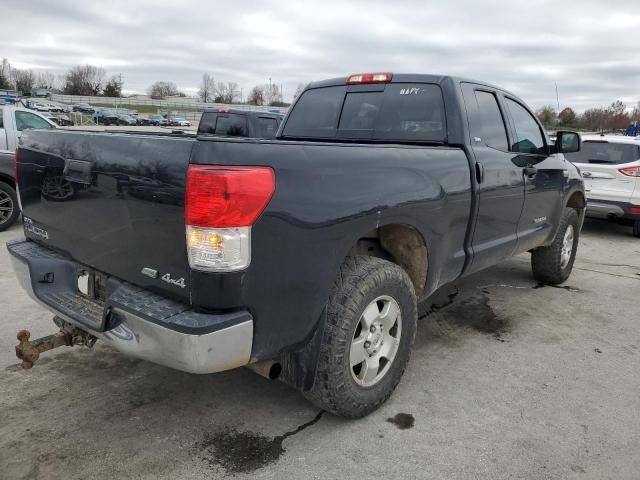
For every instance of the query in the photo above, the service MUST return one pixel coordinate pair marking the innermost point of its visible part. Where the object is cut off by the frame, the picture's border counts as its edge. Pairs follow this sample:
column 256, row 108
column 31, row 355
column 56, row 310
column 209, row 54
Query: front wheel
column 368, row 333
column 553, row 264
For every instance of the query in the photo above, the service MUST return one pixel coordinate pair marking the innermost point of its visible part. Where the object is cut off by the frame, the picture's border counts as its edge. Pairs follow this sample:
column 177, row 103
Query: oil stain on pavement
column 403, row 421
column 242, row 452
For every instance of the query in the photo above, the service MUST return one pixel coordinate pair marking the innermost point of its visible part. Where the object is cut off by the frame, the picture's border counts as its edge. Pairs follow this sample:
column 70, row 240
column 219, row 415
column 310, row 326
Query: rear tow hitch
column 68, row 336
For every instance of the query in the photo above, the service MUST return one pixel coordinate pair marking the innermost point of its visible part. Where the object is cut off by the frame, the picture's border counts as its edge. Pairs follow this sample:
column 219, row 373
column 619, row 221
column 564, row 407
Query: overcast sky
column 590, row 48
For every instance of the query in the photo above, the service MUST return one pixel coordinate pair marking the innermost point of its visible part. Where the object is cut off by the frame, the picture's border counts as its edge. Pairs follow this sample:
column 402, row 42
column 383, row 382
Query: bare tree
column 24, row 80
column 207, row 88
column 5, row 74
column 273, row 95
column 618, row 118
column 299, row 90
column 256, row 96
column 226, row 92
column 84, row 80
column 45, row 80
column 162, row 89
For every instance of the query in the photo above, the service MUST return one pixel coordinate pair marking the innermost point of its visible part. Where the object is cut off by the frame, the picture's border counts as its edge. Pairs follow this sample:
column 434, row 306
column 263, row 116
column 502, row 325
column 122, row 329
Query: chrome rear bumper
column 135, row 321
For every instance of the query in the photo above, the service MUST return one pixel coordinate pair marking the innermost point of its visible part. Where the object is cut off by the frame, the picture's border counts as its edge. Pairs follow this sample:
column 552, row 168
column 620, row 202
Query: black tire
column 360, row 282
column 8, row 199
column 636, row 228
column 548, row 263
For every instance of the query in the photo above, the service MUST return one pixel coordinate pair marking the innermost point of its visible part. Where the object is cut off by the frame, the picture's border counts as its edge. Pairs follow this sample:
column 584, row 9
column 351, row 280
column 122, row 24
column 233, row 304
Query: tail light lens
column 221, row 204
column 630, row 171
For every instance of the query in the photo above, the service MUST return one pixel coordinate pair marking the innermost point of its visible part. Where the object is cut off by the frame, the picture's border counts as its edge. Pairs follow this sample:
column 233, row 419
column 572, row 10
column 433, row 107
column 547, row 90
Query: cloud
column 588, row 48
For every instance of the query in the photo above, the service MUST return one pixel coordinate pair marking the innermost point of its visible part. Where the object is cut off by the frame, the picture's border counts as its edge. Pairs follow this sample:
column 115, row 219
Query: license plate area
column 92, row 285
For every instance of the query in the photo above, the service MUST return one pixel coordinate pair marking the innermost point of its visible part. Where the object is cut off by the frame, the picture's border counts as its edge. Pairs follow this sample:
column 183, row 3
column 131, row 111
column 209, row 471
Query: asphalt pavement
column 507, row 380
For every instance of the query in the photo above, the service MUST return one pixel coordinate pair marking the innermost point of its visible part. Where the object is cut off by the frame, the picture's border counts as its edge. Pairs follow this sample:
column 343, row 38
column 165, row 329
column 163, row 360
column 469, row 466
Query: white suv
column 610, row 166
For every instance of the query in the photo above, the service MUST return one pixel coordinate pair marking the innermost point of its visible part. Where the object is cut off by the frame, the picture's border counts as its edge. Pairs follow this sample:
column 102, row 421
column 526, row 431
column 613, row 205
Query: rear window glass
column 267, row 127
column 400, row 112
column 232, row 125
column 606, row 153
column 228, row 124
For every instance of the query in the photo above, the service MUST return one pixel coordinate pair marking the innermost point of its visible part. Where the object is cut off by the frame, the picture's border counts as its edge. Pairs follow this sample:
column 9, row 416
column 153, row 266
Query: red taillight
column 369, row 78
column 630, row 171
column 634, row 210
column 224, row 197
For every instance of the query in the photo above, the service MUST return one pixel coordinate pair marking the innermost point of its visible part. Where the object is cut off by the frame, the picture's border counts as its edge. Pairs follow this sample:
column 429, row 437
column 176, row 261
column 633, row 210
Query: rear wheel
column 9, row 209
column 636, row 228
column 370, row 327
column 553, row 264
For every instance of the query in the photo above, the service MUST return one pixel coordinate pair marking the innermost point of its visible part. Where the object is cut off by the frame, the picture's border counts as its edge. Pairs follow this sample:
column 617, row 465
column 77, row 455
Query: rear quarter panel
column 327, row 197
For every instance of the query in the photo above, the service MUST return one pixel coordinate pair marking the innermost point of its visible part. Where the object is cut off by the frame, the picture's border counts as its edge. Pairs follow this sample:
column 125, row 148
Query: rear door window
column 396, row 112
column 489, row 126
column 603, row 152
column 528, row 134
column 232, row 125
column 267, row 127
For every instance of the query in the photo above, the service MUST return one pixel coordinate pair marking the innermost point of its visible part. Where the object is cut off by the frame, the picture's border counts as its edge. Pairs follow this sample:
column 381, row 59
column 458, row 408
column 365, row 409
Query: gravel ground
column 507, row 380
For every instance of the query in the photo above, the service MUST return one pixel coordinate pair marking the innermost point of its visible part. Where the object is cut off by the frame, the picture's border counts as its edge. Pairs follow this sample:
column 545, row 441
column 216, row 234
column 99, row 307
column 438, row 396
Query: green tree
column 113, row 88
column 547, row 116
column 568, row 117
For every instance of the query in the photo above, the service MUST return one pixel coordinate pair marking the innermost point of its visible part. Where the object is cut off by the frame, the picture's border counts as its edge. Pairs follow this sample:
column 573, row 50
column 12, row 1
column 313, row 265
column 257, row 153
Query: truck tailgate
column 111, row 201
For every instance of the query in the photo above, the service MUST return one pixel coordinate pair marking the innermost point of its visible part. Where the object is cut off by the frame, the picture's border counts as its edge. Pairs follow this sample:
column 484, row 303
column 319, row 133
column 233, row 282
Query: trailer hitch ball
column 29, row 351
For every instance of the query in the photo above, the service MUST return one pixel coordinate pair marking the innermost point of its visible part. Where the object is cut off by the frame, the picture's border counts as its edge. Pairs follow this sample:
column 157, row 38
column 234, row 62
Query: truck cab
column 13, row 120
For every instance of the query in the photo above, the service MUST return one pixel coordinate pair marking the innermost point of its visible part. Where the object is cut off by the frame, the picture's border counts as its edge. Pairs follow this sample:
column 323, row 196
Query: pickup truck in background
column 225, row 122
column 13, row 121
column 302, row 257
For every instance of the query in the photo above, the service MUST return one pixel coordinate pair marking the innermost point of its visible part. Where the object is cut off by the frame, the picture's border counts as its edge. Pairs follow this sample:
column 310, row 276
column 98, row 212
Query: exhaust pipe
column 270, row 369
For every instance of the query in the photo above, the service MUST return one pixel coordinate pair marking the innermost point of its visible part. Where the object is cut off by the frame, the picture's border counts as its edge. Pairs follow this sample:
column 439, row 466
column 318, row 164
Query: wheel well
column 577, row 201
column 7, row 179
column 400, row 244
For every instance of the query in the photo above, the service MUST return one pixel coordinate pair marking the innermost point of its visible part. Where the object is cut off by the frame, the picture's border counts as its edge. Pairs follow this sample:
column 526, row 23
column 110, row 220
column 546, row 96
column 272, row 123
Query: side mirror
column 567, row 142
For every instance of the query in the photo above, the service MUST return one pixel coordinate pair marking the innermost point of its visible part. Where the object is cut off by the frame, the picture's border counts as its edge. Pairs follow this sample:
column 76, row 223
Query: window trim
column 502, row 109
column 515, row 133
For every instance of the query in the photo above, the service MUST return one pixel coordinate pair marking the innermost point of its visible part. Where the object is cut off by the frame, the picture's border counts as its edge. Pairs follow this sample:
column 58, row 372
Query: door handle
column 530, row 172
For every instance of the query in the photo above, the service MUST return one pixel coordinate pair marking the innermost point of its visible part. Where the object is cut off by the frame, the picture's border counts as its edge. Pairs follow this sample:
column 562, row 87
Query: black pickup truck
column 303, row 256
column 226, row 122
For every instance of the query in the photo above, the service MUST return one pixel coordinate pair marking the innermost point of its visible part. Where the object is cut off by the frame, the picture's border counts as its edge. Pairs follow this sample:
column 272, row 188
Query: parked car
column 106, row 117
column 142, row 121
column 40, row 107
column 127, row 120
column 13, row 121
column 158, row 120
column 239, row 123
column 301, row 257
column 180, row 122
column 83, row 108
column 610, row 166
column 60, row 120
